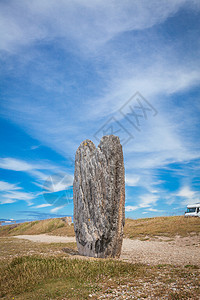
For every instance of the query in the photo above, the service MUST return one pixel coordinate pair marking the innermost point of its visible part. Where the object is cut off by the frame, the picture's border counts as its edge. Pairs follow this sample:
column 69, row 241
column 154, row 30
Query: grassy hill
column 159, row 226
column 55, row 226
column 162, row 226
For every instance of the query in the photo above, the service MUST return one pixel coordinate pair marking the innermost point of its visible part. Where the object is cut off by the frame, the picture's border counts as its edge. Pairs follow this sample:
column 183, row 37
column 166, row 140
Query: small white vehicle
column 193, row 210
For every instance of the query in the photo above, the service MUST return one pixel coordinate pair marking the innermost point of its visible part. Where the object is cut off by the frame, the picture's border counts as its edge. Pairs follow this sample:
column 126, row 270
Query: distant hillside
column 55, row 226
column 159, row 226
column 162, row 226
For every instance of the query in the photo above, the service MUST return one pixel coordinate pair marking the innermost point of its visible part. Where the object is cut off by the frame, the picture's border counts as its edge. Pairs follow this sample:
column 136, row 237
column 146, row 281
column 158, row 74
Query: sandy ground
column 176, row 251
column 45, row 238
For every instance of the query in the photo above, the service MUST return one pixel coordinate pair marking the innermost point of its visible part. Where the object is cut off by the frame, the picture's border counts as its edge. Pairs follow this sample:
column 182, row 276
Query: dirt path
column 45, row 238
column 177, row 251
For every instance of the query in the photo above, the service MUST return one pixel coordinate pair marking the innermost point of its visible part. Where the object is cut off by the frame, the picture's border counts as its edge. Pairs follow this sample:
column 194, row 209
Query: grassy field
column 45, row 271
column 159, row 226
column 31, row 270
column 31, row 277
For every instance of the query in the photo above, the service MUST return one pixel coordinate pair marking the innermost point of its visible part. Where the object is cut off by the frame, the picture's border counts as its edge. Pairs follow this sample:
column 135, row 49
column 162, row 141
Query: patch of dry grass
column 159, row 226
column 25, row 275
column 162, row 226
column 55, row 226
column 37, row 277
column 12, row 247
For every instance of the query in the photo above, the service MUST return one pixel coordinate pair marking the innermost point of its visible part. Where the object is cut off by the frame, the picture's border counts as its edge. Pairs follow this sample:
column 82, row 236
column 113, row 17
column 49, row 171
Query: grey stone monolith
column 99, row 198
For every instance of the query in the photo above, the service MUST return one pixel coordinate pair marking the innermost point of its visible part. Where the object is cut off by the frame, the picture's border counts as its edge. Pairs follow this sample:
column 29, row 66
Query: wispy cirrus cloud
column 55, row 209
column 154, row 210
column 11, row 193
column 117, row 17
column 6, row 186
column 42, row 205
column 13, row 196
column 10, row 163
column 13, row 164
column 145, row 201
column 40, row 170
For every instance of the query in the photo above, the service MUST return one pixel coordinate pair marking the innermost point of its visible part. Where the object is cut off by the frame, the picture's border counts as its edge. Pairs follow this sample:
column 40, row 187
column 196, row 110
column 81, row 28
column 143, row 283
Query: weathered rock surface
column 99, row 198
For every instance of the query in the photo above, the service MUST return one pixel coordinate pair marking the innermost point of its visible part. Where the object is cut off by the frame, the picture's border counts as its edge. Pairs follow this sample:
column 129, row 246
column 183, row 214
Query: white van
column 193, row 210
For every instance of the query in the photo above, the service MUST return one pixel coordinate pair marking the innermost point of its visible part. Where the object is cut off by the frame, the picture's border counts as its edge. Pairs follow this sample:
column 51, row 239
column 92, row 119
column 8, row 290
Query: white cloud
column 153, row 210
column 42, row 205
column 188, row 196
column 132, row 180
column 41, row 176
column 53, row 210
column 13, row 196
column 154, row 191
column 157, row 182
column 147, row 200
column 11, row 193
column 6, row 186
column 130, row 208
column 154, row 81
column 35, row 147
column 60, row 181
column 186, row 192
column 6, row 201
column 9, row 163
column 34, row 169
column 19, row 195
column 99, row 21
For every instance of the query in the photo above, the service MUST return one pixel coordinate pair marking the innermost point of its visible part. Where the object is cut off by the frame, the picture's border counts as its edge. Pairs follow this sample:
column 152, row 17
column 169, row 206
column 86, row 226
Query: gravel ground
column 160, row 250
column 152, row 289
column 179, row 251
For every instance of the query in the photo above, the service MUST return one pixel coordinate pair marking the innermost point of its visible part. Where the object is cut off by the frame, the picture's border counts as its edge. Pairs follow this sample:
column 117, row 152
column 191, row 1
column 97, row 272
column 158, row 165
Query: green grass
column 37, row 277
column 26, row 275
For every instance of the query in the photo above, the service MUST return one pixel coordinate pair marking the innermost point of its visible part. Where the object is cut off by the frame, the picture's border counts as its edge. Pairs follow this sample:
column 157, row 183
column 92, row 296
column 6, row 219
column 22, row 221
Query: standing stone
column 99, row 198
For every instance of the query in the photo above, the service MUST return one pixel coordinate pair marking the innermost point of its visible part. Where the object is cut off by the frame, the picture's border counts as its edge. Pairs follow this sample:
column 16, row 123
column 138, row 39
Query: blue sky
column 68, row 69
